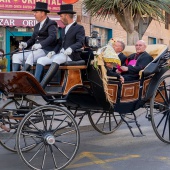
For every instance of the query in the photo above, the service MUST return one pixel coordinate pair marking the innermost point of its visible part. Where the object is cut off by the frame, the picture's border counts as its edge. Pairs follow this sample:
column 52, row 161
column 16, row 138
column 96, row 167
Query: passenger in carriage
column 111, row 60
column 72, row 38
column 42, row 41
column 119, row 46
column 135, row 62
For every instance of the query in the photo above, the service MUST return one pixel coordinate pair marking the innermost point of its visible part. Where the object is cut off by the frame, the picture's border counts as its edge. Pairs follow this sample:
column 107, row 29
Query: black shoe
column 16, row 66
column 26, row 68
column 50, row 74
column 39, row 72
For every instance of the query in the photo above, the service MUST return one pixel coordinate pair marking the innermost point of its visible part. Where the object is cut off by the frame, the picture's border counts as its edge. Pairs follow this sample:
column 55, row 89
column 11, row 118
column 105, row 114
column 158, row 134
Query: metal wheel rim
column 75, row 149
column 160, row 126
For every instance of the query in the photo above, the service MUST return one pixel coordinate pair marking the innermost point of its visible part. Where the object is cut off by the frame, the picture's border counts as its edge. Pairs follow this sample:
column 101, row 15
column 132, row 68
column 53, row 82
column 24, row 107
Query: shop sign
column 28, row 5
column 17, row 22
column 25, row 21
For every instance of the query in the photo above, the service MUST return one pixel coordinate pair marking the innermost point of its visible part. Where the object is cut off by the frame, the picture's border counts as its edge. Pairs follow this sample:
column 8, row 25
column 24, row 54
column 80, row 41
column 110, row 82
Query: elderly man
column 135, row 62
column 42, row 41
column 72, row 38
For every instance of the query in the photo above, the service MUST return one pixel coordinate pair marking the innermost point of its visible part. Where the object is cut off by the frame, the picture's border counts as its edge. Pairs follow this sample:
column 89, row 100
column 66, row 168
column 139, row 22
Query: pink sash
column 132, row 62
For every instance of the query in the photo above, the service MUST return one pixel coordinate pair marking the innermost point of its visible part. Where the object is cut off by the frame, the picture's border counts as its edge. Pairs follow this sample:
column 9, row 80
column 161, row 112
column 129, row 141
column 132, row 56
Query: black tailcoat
column 74, row 38
column 46, row 36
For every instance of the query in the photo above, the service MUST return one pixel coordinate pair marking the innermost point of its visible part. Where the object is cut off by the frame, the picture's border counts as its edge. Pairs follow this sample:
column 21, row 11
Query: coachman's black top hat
column 41, row 6
column 66, row 9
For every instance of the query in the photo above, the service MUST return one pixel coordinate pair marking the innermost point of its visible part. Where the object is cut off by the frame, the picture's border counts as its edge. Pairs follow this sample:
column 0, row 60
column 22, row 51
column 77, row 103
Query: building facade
column 152, row 32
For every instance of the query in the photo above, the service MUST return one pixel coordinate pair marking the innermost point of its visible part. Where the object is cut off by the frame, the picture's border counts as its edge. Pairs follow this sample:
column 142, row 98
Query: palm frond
column 106, row 8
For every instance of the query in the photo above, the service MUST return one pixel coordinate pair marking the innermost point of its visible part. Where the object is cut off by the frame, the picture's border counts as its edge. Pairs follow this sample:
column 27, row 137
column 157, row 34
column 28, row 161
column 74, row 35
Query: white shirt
column 66, row 29
column 68, row 26
column 41, row 23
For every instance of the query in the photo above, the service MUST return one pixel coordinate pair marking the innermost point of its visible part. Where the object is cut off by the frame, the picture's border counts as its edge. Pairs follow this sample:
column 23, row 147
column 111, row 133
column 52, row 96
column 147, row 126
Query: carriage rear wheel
column 160, row 109
column 54, row 134
column 105, row 122
column 14, row 111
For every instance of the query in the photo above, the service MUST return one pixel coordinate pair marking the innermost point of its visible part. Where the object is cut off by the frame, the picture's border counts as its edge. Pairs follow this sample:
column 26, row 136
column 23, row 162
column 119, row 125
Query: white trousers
column 58, row 58
column 29, row 56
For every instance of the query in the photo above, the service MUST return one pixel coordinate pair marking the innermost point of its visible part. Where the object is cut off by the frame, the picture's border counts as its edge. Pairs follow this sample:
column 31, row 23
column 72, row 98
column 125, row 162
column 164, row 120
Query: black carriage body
column 123, row 104
column 132, row 95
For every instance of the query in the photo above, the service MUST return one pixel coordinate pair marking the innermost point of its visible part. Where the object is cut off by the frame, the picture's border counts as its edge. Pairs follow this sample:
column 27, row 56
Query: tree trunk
column 132, row 38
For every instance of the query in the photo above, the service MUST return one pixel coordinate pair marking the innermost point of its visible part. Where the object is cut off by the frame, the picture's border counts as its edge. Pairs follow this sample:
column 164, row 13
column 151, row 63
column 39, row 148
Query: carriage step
column 139, row 130
column 134, row 121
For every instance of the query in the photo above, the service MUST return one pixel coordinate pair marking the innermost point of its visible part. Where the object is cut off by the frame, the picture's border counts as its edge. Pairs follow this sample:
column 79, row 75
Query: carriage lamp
column 94, row 41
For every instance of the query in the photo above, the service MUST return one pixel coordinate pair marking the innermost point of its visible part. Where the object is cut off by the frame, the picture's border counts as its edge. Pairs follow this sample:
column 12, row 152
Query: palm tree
column 128, row 12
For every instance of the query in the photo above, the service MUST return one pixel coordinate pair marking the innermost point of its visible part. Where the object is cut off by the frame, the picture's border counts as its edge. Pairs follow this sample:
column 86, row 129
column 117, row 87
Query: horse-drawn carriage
column 47, row 135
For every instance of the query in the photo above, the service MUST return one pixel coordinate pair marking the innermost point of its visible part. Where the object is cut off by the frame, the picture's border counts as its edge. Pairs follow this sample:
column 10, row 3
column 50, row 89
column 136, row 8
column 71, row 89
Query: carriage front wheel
column 160, row 109
column 54, row 134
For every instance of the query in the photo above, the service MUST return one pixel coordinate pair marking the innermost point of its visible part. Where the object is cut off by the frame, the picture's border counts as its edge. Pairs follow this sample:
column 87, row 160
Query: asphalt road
column 117, row 151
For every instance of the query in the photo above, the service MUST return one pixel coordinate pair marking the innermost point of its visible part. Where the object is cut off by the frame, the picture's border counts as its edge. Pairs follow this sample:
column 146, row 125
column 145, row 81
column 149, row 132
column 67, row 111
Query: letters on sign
column 17, row 22
column 28, row 5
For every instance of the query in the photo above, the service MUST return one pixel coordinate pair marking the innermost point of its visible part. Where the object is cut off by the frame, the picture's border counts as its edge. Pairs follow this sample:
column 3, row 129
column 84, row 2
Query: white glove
column 68, row 51
column 22, row 45
column 62, row 50
column 36, row 46
column 50, row 54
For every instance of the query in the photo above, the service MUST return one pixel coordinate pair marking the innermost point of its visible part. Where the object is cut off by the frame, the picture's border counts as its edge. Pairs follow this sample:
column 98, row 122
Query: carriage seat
column 154, row 50
column 67, row 64
column 74, row 63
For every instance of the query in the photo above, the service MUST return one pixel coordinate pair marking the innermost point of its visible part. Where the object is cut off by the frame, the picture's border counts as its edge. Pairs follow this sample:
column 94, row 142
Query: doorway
column 12, row 42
